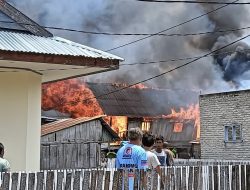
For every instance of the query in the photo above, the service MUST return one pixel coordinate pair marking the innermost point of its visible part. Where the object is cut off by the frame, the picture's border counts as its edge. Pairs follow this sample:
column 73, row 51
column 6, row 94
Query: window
column 233, row 133
column 178, row 127
column 145, row 126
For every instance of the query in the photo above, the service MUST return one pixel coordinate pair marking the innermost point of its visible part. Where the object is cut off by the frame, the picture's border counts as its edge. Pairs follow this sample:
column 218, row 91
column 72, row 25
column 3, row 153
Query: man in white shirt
column 164, row 156
column 4, row 164
column 153, row 162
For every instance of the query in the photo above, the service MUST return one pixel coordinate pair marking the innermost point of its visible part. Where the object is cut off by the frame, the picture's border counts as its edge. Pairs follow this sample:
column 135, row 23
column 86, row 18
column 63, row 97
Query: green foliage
column 111, row 155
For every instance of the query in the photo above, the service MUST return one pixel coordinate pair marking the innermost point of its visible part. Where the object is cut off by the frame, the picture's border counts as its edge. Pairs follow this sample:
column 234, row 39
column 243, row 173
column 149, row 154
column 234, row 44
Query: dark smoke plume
column 209, row 74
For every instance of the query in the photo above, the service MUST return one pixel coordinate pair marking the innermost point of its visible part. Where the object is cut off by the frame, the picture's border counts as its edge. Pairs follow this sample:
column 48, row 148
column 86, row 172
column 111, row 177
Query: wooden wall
column 75, row 147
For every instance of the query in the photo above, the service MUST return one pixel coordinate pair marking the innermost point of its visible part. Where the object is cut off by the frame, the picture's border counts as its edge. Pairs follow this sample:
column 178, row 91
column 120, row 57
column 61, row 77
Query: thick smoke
column 215, row 73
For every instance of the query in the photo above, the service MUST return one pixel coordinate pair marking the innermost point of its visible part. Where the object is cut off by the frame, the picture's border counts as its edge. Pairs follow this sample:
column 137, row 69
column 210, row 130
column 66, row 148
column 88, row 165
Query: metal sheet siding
column 19, row 42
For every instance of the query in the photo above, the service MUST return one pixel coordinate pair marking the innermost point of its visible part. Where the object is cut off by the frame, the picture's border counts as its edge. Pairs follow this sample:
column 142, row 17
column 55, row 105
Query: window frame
column 233, row 127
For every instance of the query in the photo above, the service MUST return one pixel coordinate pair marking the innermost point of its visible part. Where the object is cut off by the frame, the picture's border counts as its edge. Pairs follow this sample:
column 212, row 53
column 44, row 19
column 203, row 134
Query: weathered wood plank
column 74, row 161
column 100, row 180
column 196, row 177
column 243, row 179
column 44, row 161
column 68, row 180
column 92, row 155
column 136, row 180
column 23, row 181
column 6, row 181
column 76, row 183
column 50, row 180
column 183, row 178
column 31, row 181
column 178, row 178
column 85, row 152
column 107, row 180
column 59, row 182
column 68, row 151
column 93, row 180
column 216, row 184
column 125, row 180
column 53, row 157
column 14, row 179
column 115, row 180
column 222, row 177
column 190, row 177
column 86, row 180
column 155, row 180
column 40, row 181
column 142, row 182
column 162, row 177
column 60, row 162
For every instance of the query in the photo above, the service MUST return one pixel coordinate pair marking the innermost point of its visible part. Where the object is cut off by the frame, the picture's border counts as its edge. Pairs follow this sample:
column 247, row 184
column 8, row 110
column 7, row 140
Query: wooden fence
column 220, row 177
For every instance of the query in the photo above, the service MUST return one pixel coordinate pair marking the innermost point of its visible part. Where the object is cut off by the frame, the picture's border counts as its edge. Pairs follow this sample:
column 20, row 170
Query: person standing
column 153, row 162
column 164, row 156
column 132, row 156
column 4, row 164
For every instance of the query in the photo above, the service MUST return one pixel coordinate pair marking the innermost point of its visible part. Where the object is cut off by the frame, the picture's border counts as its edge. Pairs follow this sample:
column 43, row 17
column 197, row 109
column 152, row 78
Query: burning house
column 150, row 109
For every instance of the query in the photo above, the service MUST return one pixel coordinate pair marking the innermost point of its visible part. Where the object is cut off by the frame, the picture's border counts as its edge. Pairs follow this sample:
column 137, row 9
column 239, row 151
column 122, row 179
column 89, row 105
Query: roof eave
column 59, row 59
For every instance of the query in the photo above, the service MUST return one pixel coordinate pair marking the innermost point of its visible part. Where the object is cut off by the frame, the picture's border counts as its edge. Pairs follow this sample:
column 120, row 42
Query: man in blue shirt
column 132, row 156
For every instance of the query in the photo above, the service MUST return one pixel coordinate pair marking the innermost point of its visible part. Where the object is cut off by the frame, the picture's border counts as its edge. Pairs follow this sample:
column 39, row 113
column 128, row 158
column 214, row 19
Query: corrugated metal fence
column 221, row 177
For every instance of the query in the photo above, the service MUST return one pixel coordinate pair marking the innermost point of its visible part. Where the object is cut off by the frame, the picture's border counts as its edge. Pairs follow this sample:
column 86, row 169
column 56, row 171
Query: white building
column 30, row 56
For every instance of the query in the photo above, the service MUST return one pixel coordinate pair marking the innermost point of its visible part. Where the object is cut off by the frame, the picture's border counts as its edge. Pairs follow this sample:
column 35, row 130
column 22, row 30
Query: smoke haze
column 216, row 73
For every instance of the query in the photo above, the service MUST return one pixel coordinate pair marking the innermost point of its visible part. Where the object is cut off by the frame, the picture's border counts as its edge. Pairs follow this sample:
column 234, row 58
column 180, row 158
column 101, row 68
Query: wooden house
column 74, row 143
column 144, row 108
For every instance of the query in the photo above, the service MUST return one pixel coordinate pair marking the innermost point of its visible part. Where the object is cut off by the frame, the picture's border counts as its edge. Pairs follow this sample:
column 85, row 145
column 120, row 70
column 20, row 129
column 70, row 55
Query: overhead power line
column 175, row 26
column 147, row 34
column 196, row 2
column 132, row 34
column 179, row 59
column 169, row 71
column 152, row 62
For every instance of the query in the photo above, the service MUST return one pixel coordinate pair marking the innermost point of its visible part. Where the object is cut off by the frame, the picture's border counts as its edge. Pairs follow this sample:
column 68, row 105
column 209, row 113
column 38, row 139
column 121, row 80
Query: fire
column 70, row 96
column 191, row 113
column 138, row 86
column 119, row 125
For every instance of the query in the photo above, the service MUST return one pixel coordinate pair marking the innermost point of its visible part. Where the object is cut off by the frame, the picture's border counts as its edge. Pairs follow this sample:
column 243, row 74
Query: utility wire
column 141, row 63
column 169, row 71
column 131, row 34
column 196, row 2
column 154, row 62
column 175, row 26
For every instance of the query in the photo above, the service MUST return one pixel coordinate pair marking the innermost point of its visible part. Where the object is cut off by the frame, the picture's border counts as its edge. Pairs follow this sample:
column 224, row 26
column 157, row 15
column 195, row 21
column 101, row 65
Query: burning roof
column 139, row 102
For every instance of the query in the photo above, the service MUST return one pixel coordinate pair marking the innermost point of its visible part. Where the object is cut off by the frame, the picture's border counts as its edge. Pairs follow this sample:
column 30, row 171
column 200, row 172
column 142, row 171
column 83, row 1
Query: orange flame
column 70, row 96
column 191, row 113
column 122, row 85
column 119, row 125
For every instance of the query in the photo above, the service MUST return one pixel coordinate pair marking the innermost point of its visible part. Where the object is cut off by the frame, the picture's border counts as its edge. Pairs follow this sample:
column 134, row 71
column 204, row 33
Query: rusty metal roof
column 67, row 123
column 135, row 102
column 21, row 42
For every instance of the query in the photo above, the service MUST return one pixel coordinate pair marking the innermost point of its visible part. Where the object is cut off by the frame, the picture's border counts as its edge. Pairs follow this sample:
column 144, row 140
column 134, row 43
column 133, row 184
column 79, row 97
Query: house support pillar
column 20, row 116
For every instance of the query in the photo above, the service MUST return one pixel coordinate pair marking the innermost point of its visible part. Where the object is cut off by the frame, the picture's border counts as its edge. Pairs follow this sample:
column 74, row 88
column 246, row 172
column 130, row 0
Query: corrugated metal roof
column 136, row 102
column 20, row 42
column 67, row 123
column 64, row 123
